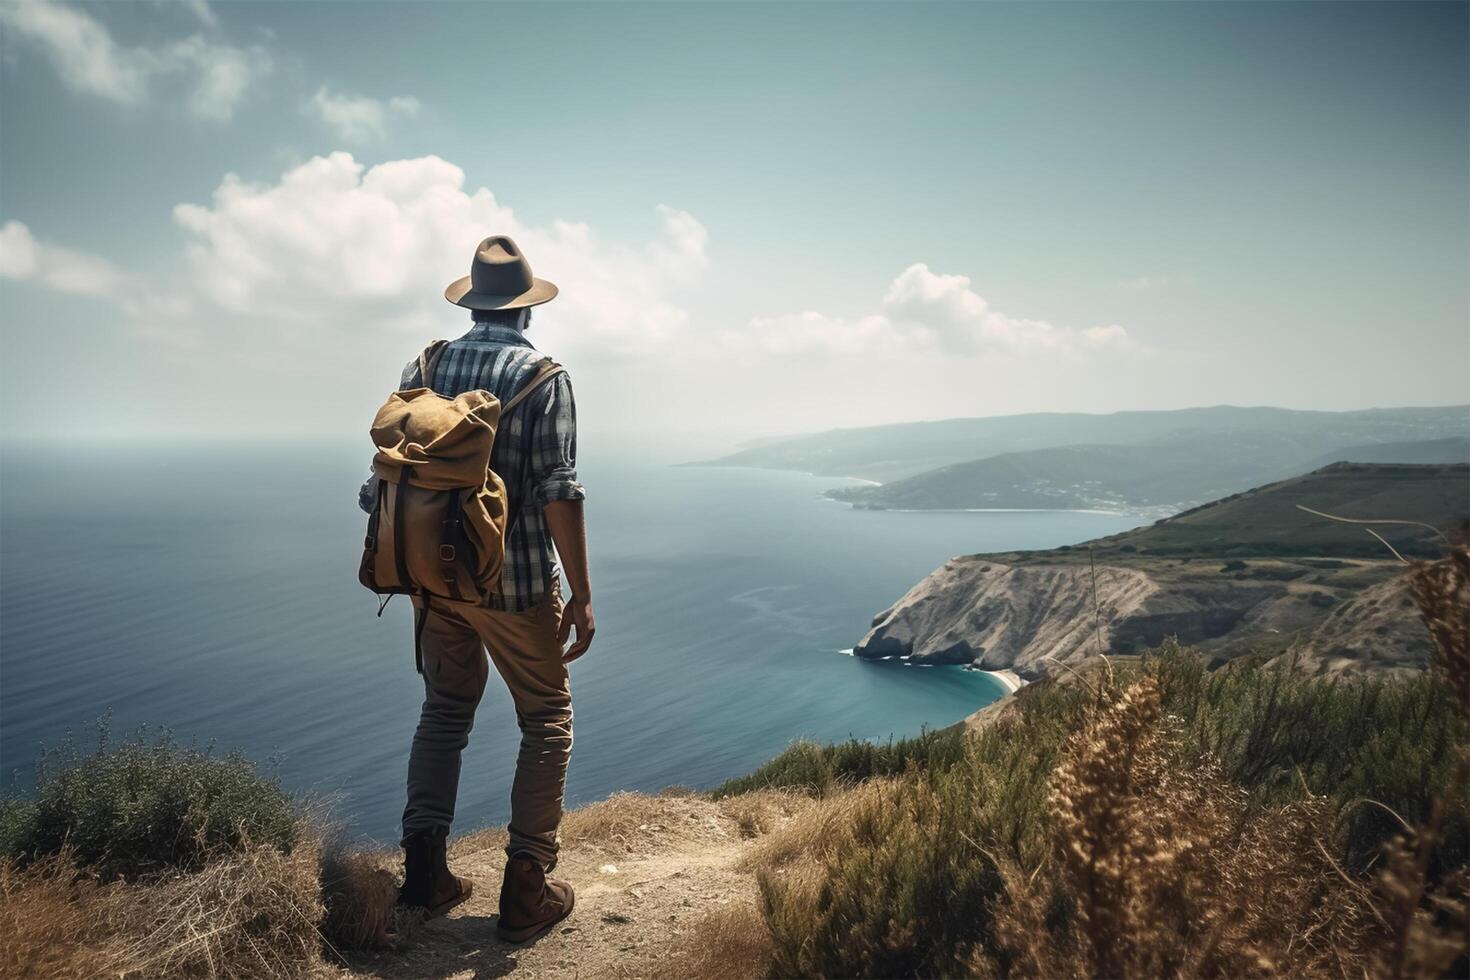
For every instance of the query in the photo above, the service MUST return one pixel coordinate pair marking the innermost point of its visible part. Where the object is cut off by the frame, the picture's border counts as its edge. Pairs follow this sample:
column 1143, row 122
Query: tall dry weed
column 1425, row 919
column 1441, row 590
column 1163, row 871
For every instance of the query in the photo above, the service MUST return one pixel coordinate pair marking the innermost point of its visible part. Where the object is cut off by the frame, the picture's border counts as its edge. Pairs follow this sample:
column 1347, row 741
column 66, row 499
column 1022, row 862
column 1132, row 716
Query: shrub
column 144, row 806
column 1282, row 735
column 1166, row 870
column 902, row 885
column 823, row 768
column 1243, row 793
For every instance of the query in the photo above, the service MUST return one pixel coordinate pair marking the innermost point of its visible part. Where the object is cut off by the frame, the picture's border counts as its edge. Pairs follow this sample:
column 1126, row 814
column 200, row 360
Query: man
column 523, row 626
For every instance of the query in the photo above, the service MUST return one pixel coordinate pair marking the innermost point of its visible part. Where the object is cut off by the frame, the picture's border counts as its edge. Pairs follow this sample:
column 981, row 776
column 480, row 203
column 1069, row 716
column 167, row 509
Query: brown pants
column 524, row 649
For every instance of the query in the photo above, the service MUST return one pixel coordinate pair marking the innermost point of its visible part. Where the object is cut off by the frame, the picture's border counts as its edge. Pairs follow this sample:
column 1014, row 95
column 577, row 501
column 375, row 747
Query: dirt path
column 645, row 869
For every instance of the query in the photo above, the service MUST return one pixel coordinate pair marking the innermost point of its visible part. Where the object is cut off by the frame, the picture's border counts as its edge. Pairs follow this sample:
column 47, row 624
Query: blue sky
column 764, row 218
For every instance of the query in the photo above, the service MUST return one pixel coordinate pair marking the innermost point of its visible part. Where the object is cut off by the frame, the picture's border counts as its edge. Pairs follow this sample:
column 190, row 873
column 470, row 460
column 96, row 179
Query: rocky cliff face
column 1027, row 616
column 1377, row 631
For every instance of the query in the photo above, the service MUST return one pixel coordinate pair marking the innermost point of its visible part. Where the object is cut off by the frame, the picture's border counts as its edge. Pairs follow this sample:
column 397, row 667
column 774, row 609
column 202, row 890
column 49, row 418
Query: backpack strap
column 429, row 360
column 549, row 369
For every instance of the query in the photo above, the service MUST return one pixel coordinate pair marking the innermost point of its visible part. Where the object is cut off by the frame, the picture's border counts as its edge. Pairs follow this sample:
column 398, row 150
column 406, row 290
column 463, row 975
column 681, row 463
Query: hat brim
column 460, row 293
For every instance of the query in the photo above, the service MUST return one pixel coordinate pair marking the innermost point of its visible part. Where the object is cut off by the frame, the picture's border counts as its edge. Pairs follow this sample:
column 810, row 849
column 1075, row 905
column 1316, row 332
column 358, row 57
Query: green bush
column 907, row 888
column 820, row 768
column 146, row 805
column 1278, row 733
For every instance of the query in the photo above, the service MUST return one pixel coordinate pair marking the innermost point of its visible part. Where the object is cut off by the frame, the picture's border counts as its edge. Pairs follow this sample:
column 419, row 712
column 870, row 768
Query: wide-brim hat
column 500, row 279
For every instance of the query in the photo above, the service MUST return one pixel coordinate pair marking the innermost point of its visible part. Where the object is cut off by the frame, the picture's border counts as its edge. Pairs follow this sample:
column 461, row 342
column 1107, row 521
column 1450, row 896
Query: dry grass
column 730, row 943
column 57, row 923
column 625, row 821
column 247, row 913
column 359, row 895
column 252, row 913
column 762, row 811
column 814, row 830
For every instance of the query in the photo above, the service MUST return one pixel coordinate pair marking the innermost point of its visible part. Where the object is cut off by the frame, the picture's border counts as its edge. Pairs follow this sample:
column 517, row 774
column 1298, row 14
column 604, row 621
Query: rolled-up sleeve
column 554, row 444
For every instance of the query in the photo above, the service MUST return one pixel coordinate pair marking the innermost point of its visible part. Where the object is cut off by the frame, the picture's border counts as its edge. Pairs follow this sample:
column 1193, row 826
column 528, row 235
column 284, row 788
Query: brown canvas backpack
column 437, row 528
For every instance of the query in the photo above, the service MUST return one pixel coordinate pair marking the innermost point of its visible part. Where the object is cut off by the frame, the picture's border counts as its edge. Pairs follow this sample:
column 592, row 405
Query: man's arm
column 568, row 525
column 554, row 475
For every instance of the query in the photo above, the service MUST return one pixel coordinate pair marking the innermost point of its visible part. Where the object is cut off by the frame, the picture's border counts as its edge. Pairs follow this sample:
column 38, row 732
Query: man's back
column 535, row 449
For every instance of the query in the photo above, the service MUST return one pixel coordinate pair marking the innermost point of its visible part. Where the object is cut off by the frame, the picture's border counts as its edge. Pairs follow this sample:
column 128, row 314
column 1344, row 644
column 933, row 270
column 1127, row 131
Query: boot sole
column 517, row 937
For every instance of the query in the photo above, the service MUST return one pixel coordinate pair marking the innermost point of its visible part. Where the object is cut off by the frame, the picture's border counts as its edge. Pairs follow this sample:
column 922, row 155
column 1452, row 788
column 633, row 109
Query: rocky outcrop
column 1026, row 616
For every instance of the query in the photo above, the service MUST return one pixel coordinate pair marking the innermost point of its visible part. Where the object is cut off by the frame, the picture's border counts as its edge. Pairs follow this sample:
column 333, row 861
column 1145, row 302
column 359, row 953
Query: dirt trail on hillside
column 646, row 869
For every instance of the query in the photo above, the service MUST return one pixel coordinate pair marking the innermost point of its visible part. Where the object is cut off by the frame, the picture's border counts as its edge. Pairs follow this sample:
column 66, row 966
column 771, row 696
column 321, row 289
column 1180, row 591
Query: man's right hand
column 577, row 612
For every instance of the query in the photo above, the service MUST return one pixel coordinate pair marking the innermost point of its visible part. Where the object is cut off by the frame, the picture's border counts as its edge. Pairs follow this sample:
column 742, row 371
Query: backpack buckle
column 446, row 552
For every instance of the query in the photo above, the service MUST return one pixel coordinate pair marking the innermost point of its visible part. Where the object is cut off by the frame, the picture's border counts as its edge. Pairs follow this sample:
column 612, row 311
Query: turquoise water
column 215, row 592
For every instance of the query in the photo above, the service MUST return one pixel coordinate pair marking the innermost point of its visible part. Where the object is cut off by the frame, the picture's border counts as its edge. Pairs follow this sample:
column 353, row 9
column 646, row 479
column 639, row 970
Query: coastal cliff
column 1251, row 573
column 996, row 615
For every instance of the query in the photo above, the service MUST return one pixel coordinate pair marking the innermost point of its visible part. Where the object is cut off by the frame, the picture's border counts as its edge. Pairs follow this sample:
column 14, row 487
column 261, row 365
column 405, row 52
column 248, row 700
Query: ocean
column 212, row 591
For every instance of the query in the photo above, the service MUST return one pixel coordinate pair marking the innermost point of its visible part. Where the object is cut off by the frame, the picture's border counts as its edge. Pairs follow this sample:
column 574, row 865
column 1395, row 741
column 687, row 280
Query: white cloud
column 926, row 310
column 794, row 333
column 1103, row 336
column 22, row 257
column 358, row 119
column 81, row 49
column 336, row 242
column 90, row 61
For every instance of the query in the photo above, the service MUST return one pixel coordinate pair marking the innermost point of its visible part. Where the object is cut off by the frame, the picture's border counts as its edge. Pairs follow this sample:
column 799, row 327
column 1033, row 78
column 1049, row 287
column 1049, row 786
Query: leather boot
column 530, row 902
column 427, row 881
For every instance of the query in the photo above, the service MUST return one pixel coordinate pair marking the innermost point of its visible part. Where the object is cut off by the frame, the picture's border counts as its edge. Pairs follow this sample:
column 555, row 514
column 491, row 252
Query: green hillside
column 1266, row 521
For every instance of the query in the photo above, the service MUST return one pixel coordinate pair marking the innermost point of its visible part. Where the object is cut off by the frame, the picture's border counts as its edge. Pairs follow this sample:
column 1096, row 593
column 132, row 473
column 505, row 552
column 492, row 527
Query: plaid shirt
column 535, row 449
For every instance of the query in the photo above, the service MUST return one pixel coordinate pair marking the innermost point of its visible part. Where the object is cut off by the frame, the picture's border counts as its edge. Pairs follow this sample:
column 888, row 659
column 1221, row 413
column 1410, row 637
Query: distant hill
column 892, row 452
column 1159, row 475
column 1451, row 450
column 1251, row 572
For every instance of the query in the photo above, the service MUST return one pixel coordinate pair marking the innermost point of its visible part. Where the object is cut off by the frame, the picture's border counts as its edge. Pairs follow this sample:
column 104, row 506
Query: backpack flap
column 438, row 526
column 446, row 441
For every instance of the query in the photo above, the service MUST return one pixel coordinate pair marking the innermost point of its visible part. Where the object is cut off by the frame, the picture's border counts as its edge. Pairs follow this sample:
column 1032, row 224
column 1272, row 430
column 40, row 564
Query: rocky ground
column 646, row 869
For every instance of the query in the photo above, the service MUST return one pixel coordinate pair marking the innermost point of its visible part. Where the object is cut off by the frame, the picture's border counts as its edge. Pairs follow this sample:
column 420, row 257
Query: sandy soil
column 645, row 869
column 1012, row 680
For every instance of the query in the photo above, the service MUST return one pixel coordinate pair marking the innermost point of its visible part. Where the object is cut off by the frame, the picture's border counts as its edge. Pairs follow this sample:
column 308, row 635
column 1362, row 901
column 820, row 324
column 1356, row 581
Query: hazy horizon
column 217, row 220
